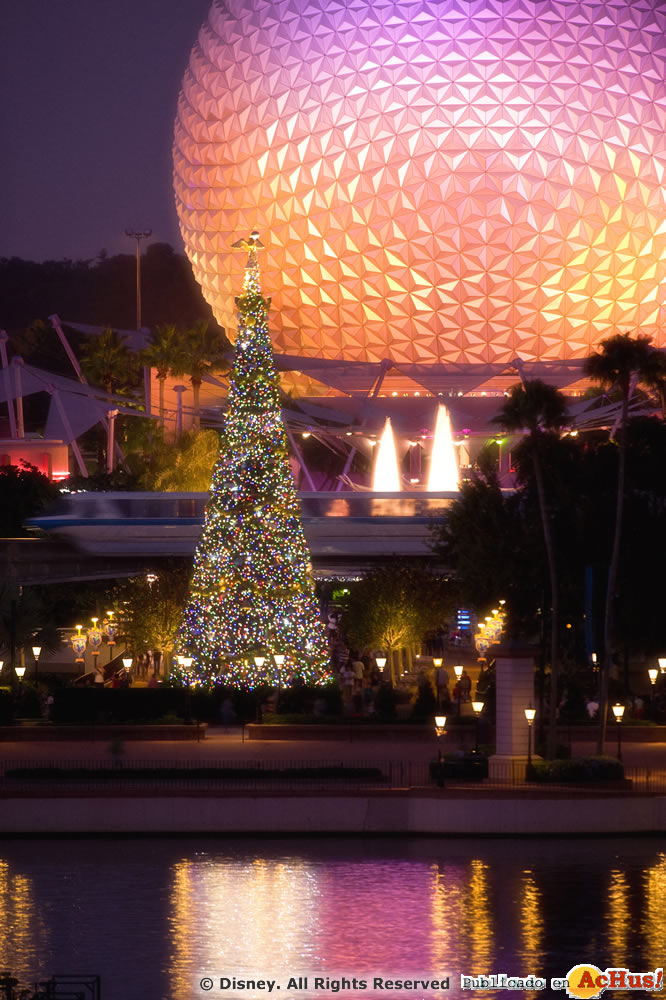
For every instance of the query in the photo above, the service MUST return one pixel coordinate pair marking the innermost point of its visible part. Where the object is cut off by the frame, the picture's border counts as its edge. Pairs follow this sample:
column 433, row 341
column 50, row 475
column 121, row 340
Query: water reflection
column 619, row 916
column 22, row 932
column 153, row 917
column 654, row 908
column 462, row 938
column 531, row 929
column 247, row 920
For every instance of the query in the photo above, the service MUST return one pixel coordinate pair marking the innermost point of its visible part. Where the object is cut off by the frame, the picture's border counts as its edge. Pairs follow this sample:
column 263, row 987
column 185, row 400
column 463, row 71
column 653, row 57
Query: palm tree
column 205, row 350
column 165, row 352
column 540, row 409
column 106, row 360
column 621, row 362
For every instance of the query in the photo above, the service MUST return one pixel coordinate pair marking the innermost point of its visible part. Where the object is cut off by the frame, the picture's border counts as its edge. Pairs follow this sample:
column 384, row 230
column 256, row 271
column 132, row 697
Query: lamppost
column 278, row 659
column 458, row 670
column 186, row 663
column 138, row 235
column 662, row 664
column 381, row 663
column 652, row 674
column 79, row 643
column 440, row 730
column 111, row 631
column 529, row 715
column 618, row 712
column 127, row 663
column 20, row 673
column 477, row 707
column 95, row 641
column 36, row 650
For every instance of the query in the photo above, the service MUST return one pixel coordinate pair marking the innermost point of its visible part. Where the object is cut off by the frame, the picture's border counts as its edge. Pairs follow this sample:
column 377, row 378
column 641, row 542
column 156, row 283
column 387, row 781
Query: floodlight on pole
column 138, row 235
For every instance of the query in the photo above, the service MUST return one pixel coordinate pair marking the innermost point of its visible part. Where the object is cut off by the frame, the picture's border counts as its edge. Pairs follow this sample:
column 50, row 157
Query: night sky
column 89, row 91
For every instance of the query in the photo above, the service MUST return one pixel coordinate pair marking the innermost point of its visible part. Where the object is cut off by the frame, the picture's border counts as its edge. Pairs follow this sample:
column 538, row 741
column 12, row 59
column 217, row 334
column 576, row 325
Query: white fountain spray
column 443, row 476
column 386, row 476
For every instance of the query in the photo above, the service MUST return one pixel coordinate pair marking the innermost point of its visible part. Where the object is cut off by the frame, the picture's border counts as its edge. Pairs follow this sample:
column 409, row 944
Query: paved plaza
column 221, row 745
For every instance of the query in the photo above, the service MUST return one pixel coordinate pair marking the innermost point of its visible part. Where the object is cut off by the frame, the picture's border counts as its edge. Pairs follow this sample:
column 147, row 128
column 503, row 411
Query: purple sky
column 89, row 91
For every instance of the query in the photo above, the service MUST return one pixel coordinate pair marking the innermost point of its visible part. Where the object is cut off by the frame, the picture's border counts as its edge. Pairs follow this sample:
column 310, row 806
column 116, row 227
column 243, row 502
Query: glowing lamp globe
column 433, row 181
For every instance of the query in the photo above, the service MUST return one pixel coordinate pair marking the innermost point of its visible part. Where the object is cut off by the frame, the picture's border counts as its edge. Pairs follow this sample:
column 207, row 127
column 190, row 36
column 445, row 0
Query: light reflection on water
column 153, row 917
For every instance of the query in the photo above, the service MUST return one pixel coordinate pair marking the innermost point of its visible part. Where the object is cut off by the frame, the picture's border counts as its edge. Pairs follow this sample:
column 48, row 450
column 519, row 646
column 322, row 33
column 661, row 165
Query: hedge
column 576, row 769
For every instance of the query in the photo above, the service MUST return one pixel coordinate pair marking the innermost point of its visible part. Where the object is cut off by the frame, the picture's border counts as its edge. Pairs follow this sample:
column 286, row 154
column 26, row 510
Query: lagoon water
column 155, row 917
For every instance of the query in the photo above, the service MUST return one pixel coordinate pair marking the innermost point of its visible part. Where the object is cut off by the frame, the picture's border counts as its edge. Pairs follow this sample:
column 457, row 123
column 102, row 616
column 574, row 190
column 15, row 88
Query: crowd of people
column 360, row 678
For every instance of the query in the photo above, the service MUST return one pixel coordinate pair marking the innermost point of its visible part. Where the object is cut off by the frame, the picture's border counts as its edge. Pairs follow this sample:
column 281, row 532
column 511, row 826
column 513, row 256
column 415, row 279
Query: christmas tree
column 252, row 616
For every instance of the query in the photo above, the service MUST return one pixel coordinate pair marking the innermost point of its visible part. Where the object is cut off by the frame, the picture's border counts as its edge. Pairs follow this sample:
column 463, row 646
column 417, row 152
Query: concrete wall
column 400, row 813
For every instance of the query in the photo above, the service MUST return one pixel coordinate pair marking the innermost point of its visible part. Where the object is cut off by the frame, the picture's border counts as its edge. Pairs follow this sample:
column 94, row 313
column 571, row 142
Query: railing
column 151, row 777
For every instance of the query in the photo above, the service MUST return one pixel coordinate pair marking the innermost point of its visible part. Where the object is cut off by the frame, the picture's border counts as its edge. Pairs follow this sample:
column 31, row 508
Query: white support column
column 17, row 365
column 110, row 438
column 5, row 374
column 514, row 678
column 68, row 431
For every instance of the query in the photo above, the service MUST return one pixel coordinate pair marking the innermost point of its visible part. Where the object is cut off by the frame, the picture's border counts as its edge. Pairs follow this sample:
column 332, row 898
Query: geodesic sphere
column 433, row 181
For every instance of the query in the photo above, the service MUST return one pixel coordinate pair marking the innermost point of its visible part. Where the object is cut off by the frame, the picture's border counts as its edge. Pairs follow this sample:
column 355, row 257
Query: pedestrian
column 348, row 681
column 227, row 713
column 357, row 667
column 442, row 683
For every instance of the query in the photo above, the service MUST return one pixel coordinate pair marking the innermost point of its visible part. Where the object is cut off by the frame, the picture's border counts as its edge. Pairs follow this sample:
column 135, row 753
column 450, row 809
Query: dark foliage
column 494, row 542
column 24, row 492
column 425, row 706
column 102, row 292
column 577, row 769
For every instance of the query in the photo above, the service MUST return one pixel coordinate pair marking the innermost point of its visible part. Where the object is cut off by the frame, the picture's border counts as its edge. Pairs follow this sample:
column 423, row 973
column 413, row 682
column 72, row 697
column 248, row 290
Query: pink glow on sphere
column 433, row 181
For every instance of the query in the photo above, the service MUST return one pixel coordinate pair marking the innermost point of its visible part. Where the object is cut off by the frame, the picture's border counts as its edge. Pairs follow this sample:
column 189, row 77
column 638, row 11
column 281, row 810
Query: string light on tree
column 252, row 592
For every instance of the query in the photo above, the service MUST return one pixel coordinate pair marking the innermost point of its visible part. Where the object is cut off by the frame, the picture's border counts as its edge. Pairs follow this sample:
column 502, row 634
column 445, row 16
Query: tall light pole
column 138, row 235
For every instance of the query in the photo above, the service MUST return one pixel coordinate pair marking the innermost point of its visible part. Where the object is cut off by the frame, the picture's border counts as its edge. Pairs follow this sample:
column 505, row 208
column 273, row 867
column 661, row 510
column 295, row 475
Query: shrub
column 385, row 702
column 6, row 707
column 425, row 706
column 577, row 769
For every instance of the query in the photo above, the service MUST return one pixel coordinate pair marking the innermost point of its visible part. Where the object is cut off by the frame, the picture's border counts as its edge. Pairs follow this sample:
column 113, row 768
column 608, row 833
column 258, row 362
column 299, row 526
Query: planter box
column 459, row 770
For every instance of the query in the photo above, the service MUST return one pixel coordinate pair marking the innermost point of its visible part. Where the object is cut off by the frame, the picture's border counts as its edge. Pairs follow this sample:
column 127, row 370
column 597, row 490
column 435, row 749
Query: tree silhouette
column 204, row 351
column 621, row 362
column 106, row 360
column 540, row 409
column 165, row 352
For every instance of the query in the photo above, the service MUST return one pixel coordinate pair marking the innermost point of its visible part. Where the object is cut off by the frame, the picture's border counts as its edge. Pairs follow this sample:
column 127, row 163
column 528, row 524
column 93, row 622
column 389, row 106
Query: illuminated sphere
column 434, row 180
